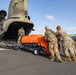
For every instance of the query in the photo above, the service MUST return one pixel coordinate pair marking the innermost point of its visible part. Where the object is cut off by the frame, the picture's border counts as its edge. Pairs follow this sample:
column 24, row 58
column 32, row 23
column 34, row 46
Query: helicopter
column 17, row 18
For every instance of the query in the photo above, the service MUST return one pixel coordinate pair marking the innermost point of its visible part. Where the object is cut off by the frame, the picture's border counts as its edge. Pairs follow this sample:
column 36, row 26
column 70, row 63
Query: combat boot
column 60, row 60
column 75, row 52
column 52, row 59
column 74, row 59
column 69, row 59
column 58, row 57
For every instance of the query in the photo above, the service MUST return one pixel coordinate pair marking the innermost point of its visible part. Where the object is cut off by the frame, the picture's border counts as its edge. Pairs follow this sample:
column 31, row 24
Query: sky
column 50, row 13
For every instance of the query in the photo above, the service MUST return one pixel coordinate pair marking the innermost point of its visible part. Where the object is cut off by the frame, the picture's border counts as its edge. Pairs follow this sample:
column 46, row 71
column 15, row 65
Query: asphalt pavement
column 25, row 63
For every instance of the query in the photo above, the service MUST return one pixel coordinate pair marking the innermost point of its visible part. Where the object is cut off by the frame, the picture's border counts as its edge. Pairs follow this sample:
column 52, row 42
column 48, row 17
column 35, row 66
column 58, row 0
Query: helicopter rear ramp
column 17, row 18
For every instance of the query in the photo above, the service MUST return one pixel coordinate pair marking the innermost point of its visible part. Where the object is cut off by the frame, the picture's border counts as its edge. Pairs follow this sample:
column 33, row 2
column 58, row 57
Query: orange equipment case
column 36, row 38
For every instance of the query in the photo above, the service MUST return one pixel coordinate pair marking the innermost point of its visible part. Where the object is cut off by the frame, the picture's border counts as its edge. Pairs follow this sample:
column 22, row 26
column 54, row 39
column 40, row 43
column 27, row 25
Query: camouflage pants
column 19, row 39
column 53, row 48
column 69, row 48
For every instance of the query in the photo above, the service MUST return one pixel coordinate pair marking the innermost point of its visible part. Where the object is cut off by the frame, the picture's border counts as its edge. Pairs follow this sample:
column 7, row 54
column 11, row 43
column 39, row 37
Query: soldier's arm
column 46, row 37
column 57, row 35
column 19, row 32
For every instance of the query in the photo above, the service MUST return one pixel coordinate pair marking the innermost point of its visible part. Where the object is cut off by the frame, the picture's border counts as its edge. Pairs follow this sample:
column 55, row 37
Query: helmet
column 58, row 27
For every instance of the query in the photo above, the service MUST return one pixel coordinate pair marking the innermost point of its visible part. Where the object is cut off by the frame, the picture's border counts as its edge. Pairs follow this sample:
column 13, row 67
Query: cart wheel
column 36, row 52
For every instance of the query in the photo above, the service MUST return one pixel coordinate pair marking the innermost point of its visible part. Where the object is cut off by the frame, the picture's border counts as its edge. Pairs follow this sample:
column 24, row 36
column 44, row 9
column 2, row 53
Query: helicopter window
column 25, row 16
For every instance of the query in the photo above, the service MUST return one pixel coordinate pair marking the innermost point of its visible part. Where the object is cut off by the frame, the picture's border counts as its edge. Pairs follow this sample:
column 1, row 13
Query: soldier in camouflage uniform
column 21, row 33
column 67, row 44
column 53, row 45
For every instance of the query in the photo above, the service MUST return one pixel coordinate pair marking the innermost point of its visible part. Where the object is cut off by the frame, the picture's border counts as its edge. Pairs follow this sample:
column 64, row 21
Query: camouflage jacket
column 50, row 35
column 21, row 32
column 65, row 37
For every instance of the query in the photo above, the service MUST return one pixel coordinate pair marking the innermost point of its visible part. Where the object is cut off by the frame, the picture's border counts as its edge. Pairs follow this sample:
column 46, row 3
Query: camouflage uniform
column 21, row 33
column 67, row 44
column 53, row 45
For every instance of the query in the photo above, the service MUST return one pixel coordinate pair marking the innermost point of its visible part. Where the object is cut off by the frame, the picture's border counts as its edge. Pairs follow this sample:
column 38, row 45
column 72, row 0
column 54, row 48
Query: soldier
column 53, row 45
column 67, row 44
column 21, row 33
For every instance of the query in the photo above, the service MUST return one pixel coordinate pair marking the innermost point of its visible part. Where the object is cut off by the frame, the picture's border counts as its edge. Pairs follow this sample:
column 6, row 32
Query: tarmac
column 26, row 63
